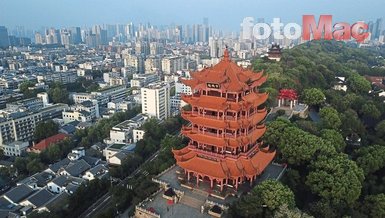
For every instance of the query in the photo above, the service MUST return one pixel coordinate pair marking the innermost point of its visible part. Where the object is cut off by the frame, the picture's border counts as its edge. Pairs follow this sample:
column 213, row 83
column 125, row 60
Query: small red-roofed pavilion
column 287, row 95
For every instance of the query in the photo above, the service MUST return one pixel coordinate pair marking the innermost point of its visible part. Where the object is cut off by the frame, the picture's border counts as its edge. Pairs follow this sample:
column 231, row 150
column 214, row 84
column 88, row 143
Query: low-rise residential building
column 340, row 84
column 98, row 172
column 120, row 106
column 16, row 148
column 18, row 193
column 67, row 184
column 117, row 152
column 38, row 180
column 38, row 199
column 137, row 134
column 122, row 133
column 86, row 111
column 75, row 168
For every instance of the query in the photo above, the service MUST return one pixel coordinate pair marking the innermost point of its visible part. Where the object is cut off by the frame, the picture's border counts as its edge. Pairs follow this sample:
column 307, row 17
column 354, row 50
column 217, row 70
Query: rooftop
column 18, row 193
column 40, row 198
column 45, row 143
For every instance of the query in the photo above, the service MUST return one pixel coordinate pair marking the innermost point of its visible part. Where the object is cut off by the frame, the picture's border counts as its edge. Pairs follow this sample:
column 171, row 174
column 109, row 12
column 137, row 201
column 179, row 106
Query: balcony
column 254, row 149
column 192, row 130
column 262, row 110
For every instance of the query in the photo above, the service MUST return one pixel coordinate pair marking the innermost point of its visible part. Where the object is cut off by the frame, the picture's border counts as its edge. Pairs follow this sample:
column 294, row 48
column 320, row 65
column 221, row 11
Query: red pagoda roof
column 226, row 167
column 228, row 75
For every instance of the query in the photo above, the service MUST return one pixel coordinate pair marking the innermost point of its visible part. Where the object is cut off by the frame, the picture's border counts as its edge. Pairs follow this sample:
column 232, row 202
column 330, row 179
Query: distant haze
column 224, row 14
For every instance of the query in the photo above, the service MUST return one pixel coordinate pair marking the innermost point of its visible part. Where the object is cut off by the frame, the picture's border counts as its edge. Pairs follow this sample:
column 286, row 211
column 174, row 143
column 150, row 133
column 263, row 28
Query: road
column 105, row 200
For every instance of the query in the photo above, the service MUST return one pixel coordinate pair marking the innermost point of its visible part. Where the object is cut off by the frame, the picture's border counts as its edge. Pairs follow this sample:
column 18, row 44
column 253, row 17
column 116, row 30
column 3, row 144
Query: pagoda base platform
column 177, row 179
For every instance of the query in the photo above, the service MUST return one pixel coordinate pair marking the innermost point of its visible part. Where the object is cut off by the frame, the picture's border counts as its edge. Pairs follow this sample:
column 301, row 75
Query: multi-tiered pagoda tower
column 227, row 122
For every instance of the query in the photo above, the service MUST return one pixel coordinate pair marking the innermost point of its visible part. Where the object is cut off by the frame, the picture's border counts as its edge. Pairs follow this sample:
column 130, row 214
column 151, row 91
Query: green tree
column 285, row 212
column 335, row 138
column 308, row 126
column 374, row 205
column 358, row 83
column 45, row 129
column 58, row 93
column 273, row 134
column 34, row 166
column 370, row 110
column 25, row 85
column 269, row 195
column 351, row 124
column 299, row 147
column 313, row 97
column 330, row 118
column 336, row 179
column 371, row 158
column 21, row 165
column 273, row 194
column 380, row 130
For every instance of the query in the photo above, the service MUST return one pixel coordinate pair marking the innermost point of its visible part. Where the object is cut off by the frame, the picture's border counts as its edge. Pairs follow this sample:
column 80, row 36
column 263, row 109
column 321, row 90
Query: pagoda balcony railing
column 230, row 118
column 215, row 117
column 187, row 128
column 262, row 110
column 223, row 155
column 189, row 96
column 221, row 135
column 210, row 116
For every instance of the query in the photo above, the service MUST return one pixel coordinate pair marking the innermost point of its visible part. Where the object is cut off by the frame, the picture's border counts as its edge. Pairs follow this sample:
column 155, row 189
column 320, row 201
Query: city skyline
column 225, row 15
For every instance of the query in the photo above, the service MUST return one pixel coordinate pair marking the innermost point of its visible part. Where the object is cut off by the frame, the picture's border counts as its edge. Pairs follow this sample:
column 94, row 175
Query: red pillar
column 197, row 179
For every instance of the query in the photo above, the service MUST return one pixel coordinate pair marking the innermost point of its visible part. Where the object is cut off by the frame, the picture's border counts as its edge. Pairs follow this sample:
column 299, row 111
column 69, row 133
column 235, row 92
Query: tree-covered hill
column 336, row 167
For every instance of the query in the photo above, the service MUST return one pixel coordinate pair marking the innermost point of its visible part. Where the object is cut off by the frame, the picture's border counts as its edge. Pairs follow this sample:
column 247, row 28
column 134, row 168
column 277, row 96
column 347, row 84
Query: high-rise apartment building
column 156, row 100
column 4, row 39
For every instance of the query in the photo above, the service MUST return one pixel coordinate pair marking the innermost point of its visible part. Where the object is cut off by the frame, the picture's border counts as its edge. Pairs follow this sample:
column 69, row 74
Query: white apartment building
column 16, row 148
column 122, row 132
column 114, row 93
column 156, row 100
column 173, row 64
column 137, row 134
column 21, row 126
column 80, row 97
column 141, row 80
column 152, row 64
column 62, row 77
column 85, row 111
column 81, row 116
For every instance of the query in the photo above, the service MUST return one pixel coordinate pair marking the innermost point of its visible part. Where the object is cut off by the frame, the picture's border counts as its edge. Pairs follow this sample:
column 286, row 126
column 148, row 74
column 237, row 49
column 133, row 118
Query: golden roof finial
column 226, row 55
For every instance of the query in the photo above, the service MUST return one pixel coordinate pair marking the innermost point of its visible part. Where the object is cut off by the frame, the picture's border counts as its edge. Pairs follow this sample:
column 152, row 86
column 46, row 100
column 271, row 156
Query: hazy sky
column 224, row 14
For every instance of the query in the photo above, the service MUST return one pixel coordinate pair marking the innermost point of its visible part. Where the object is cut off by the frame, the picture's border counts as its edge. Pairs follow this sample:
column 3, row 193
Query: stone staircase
column 192, row 202
column 201, row 193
